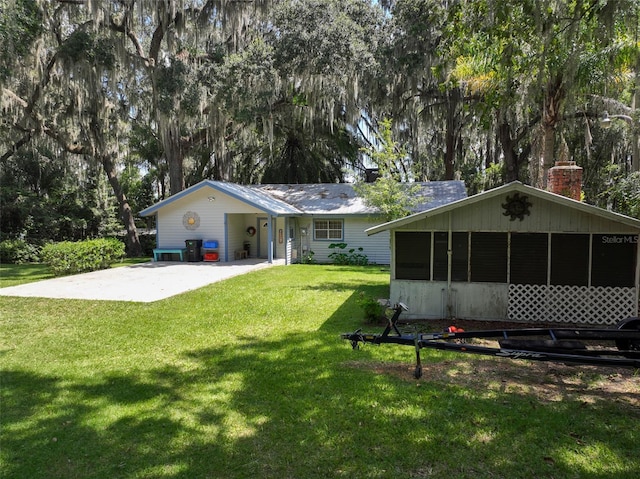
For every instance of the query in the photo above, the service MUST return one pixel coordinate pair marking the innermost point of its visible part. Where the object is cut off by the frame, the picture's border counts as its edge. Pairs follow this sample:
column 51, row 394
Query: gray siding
column 172, row 232
column 375, row 247
column 545, row 216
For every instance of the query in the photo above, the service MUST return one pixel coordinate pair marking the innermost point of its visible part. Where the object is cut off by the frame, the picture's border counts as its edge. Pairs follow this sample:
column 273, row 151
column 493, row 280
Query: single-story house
column 287, row 222
column 516, row 253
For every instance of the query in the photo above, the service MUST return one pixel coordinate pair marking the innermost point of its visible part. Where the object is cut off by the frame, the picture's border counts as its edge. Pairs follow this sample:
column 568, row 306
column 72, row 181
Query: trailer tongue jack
column 565, row 345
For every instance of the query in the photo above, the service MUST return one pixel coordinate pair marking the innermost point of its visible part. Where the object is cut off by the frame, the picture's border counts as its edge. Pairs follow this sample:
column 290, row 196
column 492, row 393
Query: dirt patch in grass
column 547, row 381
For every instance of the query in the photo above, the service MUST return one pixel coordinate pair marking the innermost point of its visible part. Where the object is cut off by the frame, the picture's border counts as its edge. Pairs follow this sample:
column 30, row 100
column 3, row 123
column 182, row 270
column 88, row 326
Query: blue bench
column 159, row 251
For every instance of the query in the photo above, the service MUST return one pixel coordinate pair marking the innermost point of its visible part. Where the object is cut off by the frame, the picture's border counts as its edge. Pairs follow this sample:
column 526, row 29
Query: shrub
column 80, row 257
column 148, row 242
column 308, row 258
column 373, row 309
column 18, row 251
column 352, row 256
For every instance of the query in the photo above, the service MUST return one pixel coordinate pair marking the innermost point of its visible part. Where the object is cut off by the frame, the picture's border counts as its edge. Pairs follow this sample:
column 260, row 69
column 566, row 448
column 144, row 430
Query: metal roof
column 341, row 198
column 510, row 187
column 315, row 199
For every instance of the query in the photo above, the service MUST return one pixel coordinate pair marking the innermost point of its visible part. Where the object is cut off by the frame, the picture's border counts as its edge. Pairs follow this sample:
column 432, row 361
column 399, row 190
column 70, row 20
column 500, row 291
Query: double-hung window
column 328, row 230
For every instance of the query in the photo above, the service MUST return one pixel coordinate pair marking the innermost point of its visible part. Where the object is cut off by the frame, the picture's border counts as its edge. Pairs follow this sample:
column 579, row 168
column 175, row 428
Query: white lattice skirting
column 570, row 304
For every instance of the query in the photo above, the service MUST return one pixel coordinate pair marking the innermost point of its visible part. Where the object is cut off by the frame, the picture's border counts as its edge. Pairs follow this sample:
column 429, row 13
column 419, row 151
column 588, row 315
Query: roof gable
column 513, row 187
column 247, row 195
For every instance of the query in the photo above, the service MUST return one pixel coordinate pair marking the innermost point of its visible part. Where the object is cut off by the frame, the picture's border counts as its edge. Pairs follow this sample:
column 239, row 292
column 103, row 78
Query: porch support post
column 449, row 305
column 225, row 235
column 269, row 239
column 449, row 255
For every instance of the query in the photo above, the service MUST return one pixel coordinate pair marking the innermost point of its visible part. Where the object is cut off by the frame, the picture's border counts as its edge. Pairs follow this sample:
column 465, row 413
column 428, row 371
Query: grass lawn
column 247, row 378
column 14, row 274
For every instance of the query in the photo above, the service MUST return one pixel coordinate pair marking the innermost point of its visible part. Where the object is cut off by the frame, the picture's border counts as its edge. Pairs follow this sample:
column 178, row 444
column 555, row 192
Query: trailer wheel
column 629, row 344
column 417, row 373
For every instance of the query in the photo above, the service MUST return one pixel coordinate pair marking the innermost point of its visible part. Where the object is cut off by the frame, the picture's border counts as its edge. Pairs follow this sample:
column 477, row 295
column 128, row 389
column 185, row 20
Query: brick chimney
column 565, row 179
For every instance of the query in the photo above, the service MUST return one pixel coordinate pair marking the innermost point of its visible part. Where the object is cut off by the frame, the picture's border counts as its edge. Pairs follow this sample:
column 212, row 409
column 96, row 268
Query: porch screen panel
column 528, row 258
column 489, row 257
column 459, row 259
column 413, row 255
column 570, row 259
column 613, row 260
column 440, row 259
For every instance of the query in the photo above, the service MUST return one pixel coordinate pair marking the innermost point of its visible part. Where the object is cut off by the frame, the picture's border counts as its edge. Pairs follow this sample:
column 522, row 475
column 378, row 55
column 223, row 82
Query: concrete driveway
column 143, row 283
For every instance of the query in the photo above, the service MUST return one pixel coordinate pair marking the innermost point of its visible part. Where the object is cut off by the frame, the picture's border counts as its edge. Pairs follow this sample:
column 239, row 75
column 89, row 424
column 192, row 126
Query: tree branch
column 15, row 97
column 189, row 142
column 64, row 143
column 120, row 28
column 15, row 147
column 156, row 40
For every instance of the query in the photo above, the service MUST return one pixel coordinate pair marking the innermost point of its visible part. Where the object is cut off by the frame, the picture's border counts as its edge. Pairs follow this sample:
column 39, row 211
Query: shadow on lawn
column 293, row 407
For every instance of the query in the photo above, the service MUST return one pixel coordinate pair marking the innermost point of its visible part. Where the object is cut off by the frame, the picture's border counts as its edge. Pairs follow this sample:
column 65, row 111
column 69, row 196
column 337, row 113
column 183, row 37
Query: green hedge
column 17, row 251
column 80, row 257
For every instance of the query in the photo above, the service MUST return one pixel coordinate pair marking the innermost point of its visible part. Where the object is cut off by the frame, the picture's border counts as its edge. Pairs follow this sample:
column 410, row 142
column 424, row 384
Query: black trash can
column 193, row 250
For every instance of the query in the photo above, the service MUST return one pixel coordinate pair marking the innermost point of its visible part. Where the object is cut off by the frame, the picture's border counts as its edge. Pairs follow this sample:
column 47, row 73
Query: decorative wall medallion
column 516, row 207
column 191, row 220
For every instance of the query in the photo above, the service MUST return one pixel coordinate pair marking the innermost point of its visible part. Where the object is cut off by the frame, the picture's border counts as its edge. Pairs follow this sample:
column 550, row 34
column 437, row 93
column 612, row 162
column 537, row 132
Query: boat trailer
column 565, row 345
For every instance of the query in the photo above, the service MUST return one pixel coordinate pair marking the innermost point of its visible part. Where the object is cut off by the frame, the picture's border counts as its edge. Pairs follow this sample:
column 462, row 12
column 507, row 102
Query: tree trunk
column 134, row 248
column 548, row 152
column 174, row 155
column 635, row 135
column 554, row 96
column 451, row 135
column 510, row 156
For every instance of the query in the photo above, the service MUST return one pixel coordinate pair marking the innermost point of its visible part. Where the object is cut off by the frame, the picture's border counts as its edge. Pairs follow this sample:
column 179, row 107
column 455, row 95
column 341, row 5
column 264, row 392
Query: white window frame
column 329, row 229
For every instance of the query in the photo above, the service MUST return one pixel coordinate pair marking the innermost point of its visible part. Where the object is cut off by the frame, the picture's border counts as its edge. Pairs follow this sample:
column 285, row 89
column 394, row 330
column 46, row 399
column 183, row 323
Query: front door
column 263, row 238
